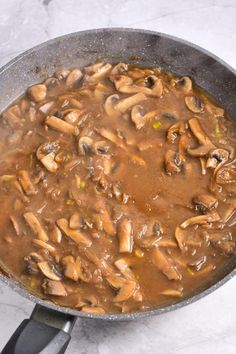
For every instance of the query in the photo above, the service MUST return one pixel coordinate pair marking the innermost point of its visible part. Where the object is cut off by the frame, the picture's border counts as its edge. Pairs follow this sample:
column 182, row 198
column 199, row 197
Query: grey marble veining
column 207, row 326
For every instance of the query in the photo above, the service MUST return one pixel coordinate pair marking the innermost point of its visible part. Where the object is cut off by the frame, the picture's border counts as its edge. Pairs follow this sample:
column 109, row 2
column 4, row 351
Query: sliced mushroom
column 82, row 270
column 75, row 221
column 211, row 162
column 93, row 68
column 205, row 202
column 50, row 270
column 12, row 117
column 19, row 189
column 62, row 74
column 149, row 241
column 139, row 118
column 46, row 154
column 77, row 236
column 115, row 281
column 7, row 178
column 15, row 225
column 101, row 147
column 100, row 72
column 220, row 155
column 175, row 130
column 87, row 300
column 202, row 138
column 95, row 310
column 166, row 243
column 184, row 84
column 75, row 103
column 227, row 247
column 49, row 163
column 85, row 145
column 194, row 104
column 70, row 270
column 126, row 103
column 35, row 226
column 73, row 78
column 38, row 92
column 197, row 130
column 45, row 245
column 229, row 210
column 107, row 222
column 154, row 87
column 203, row 166
column 75, row 270
column 180, row 238
column 26, row 183
column 126, row 291
column 124, row 267
column 60, row 125
column 173, row 162
column 226, row 175
column 99, row 262
column 55, row 235
column 125, row 236
column 53, row 287
column 46, row 107
column 72, row 117
column 101, row 91
column 172, row 293
column 109, row 106
column 165, row 265
column 138, row 73
column 222, row 241
column 122, row 80
column 107, row 134
column 201, row 219
column 31, row 262
column 119, row 69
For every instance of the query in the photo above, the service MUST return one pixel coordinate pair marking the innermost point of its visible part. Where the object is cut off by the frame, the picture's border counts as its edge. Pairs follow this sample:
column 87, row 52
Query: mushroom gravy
column 117, row 186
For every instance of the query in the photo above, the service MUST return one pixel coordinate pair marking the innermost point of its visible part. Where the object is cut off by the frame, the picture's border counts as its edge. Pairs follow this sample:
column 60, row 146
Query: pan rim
column 16, row 286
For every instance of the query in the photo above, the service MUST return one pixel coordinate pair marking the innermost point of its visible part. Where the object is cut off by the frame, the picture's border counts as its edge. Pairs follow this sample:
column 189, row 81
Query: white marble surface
column 208, row 326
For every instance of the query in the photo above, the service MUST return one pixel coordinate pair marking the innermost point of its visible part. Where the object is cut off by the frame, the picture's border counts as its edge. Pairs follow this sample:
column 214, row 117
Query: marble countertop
column 208, row 326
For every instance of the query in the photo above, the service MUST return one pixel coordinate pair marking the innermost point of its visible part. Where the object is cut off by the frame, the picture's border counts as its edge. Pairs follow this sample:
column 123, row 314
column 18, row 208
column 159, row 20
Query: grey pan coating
column 130, row 45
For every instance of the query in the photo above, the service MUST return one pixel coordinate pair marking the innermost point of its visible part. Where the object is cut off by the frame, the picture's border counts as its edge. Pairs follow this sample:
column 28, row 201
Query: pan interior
column 120, row 45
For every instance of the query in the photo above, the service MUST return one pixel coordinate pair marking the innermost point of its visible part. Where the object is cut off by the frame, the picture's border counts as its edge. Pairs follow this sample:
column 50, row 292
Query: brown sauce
column 117, row 188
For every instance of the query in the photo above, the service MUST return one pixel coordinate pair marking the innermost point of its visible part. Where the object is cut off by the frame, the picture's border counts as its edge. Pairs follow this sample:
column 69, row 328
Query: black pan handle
column 46, row 332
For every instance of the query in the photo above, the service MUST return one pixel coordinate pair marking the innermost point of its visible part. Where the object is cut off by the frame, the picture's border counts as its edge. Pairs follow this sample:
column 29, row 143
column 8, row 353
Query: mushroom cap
column 221, row 155
column 85, row 145
column 194, row 104
column 184, row 84
column 110, row 104
column 137, row 116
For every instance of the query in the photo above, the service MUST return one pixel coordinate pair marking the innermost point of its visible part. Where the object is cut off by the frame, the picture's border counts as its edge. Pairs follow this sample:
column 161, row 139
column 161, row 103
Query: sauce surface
column 117, row 186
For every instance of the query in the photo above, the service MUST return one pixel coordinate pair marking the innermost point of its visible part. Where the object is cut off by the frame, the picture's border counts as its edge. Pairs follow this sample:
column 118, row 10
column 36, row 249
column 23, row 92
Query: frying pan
column 48, row 329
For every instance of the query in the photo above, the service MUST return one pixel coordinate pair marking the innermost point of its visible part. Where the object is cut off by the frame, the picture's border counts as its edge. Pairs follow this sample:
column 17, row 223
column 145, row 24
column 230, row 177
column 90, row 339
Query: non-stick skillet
column 48, row 329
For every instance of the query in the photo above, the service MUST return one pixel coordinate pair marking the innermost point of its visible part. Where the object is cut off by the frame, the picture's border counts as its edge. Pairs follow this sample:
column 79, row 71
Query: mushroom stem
column 60, row 125
column 129, row 102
